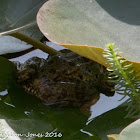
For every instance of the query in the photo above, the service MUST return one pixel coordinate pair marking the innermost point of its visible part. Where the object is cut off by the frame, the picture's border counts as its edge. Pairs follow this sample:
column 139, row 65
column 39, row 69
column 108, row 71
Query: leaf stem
column 35, row 43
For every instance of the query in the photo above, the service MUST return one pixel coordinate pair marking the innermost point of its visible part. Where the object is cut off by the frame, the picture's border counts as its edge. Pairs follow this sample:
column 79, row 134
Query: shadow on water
column 127, row 11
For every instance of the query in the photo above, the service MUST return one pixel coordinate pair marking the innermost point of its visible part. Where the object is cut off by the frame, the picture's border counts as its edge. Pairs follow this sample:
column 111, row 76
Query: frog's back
column 65, row 79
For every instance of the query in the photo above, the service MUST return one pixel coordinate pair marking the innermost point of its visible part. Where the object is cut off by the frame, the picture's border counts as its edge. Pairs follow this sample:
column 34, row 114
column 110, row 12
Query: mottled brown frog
column 65, row 79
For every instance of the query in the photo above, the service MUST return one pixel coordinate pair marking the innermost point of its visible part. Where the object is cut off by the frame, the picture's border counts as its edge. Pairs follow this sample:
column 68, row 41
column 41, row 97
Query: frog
column 65, row 80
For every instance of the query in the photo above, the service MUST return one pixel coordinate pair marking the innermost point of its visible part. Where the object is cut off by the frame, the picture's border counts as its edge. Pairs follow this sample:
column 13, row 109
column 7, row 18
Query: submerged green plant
column 125, row 77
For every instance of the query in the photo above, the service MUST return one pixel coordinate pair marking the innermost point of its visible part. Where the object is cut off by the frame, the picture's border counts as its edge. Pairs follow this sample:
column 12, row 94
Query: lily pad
column 5, row 130
column 93, row 23
column 131, row 132
column 10, row 45
column 6, row 73
column 16, row 15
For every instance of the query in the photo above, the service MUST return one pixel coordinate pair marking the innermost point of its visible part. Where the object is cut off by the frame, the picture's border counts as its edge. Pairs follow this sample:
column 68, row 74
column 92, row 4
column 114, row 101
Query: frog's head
column 28, row 70
column 23, row 74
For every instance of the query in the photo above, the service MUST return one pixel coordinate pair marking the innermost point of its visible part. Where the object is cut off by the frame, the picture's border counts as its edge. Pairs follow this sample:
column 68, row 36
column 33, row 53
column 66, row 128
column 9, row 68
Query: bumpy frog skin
column 65, row 79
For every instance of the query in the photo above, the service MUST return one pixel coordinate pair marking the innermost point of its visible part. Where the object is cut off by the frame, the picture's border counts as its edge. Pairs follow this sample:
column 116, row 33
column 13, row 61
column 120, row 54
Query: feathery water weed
column 125, row 77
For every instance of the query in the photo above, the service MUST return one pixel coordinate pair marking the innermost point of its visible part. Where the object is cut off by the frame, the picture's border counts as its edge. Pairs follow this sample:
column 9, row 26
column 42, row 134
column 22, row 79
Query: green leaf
column 131, row 132
column 10, row 45
column 5, row 129
column 16, row 15
column 6, row 73
column 93, row 23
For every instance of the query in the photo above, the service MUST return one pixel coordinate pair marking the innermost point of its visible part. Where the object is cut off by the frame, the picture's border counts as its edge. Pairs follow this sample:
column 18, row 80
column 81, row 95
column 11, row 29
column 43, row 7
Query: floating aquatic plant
column 125, row 77
column 2, row 132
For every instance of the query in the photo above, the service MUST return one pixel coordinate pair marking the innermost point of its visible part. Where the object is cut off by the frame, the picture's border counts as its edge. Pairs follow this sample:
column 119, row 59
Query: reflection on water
column 105, row 104
column 3, row 93
column 25, row 113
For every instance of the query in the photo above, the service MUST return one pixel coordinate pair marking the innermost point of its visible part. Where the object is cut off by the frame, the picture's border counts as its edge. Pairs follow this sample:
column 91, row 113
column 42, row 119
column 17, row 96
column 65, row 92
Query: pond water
column 26, row 115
